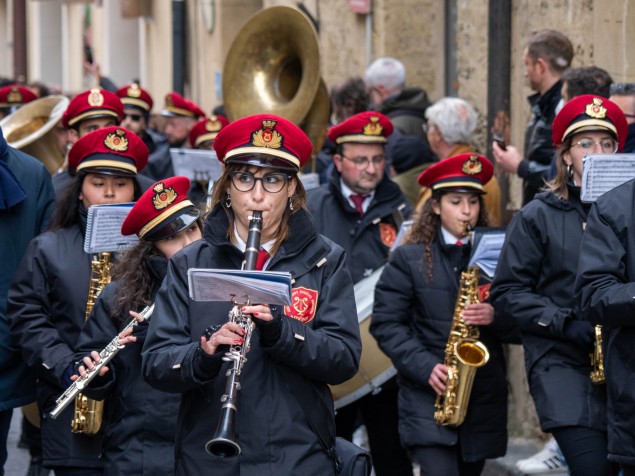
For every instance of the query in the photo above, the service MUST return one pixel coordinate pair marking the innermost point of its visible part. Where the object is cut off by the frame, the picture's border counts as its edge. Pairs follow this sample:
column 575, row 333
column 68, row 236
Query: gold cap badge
column 595, row 109
column 213, row 124
column 95, row 98
column 163, row 197
column 472, row 166
column 14, row 96
column 267, row 137
column 133, row 91
column 117, row 141
column 373, row 128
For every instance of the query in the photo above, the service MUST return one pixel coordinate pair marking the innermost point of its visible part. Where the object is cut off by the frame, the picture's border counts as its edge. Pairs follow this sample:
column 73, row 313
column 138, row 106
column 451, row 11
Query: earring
column 569, row 171
column 290, row 204
column 228, row 202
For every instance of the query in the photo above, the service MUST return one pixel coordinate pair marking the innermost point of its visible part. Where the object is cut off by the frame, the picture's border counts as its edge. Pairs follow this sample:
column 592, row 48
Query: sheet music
column 309, row 180
column 196, row 164
column 405, row 228
column 488, row 246
column 103, row 229
column 270, row 287
column 603, row 172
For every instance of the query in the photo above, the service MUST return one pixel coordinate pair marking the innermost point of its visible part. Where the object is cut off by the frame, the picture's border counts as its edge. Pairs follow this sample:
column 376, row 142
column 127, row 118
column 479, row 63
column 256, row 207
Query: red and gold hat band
column 588, row 124
column 136, row 102
column 93, row 112
column 361, row 138
column 111, row 164
column 263, row 151
column 161, row 217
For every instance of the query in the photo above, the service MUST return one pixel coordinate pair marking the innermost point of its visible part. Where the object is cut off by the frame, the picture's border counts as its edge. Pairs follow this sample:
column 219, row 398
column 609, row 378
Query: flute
column 105, row 356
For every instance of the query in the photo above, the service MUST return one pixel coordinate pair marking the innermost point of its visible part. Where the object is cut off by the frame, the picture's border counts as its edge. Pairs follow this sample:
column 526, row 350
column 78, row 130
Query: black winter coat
column 323, row 348
column 605, row 287
column 47, row 305
column 534, row 285
column 411, row 321
column 366, row 239
column 139, row 421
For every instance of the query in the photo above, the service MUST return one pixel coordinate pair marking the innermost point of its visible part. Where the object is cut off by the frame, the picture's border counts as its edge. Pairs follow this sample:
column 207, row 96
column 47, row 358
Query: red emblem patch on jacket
column 483, row 292
column 303, row 304
column 387, row 233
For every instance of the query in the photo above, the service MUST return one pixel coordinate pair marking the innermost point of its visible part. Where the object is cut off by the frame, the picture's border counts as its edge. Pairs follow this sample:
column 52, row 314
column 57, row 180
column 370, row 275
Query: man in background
column 623, row 94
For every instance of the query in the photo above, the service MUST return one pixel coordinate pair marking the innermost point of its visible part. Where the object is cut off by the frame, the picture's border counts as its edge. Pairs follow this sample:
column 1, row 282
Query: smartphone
column 500, row 141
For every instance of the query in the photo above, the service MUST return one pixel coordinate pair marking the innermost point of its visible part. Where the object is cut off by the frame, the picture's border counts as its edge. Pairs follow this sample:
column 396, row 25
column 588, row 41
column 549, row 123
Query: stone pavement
column 18, row 458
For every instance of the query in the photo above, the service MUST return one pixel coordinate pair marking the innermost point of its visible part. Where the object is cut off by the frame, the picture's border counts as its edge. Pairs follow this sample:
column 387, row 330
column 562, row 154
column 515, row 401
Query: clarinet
column 224, row 442
column 105, row 356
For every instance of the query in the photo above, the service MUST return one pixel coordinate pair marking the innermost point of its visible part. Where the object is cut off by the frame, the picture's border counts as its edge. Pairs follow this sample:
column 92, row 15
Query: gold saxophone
column 89, row 413
column 464, row 353
column 597, row 359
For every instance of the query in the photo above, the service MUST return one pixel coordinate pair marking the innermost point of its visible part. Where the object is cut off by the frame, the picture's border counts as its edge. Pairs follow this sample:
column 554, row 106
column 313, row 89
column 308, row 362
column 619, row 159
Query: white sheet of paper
column 487, row 251
column 196, row 164
column 103, row 229
column 604, row 172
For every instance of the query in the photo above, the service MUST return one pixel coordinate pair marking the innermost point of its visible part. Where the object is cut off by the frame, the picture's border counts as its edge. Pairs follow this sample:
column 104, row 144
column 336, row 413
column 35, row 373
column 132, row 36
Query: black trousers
column 585, row 451
column 380, row 415
column 443, row 461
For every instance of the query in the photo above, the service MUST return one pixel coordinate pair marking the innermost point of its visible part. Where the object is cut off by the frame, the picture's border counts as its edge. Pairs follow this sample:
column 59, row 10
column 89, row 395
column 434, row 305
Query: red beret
column 90, row 104
column 162, row 211
column 135, row 95
column 16, row 95
column 111, row 150
column 463, row 172
column 207, row 129
column 589, row 113
column 368, row 127
column 177, row 105
column 264, row 140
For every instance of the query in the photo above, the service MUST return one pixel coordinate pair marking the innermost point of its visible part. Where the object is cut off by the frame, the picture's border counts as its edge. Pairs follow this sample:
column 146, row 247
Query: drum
column 375, row 367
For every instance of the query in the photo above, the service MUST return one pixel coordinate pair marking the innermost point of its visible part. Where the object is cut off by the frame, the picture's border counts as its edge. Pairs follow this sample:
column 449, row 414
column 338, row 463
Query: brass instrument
column 597, row 358
column 105, row 356
column 464, row 353
column 224, row 442
column 31, row 129
column 89, row 412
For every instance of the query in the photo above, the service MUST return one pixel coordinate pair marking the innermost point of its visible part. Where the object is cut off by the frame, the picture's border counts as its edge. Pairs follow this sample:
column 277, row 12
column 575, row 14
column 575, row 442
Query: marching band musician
column 47, row 300
column 534, row 285
column 139, row 422
column 315, row 339
column 415, row 301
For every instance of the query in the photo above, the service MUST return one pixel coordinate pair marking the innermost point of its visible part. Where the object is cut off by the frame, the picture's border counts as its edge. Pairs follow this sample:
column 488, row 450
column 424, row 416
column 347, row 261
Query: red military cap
column 135, row 95
column 177, row 105
column 111, row 150
column 91, row 104
column 589, row 113
column 162, row 211
column 265, row 140
column 14, row 95
column 461, row 173
column 207, row 129
column 367, row 127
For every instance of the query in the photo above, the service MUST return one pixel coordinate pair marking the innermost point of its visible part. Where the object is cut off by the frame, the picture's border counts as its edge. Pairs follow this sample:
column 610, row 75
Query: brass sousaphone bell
column 273, row 66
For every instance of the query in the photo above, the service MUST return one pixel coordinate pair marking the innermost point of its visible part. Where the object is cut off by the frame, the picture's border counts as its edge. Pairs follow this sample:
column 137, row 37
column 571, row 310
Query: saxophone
column 597, row 359
column 88, row 412
column 464, row 353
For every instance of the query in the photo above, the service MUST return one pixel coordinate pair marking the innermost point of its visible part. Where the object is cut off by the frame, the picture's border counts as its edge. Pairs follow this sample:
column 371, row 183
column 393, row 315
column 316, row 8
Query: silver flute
column 105, row 356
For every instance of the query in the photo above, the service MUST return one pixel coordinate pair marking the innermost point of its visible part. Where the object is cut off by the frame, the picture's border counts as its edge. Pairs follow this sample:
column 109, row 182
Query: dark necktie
column 263, row 256
column 357, row 201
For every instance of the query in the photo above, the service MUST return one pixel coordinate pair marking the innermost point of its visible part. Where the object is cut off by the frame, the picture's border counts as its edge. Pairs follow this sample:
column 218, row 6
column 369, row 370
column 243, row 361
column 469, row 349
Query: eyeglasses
column 362, row 163
column 608, row 146
column 133, row 117
column 246, row 181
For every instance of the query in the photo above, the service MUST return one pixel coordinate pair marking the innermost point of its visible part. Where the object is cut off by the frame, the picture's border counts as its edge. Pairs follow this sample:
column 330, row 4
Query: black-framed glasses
column 608, row 146
column 363, row 162
column 271, row 182
column 133, row 117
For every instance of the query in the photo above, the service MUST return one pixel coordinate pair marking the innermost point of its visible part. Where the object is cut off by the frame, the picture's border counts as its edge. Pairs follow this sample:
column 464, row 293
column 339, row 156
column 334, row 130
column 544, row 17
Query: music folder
column 487, row 244
column 603, row 172
column 103, row 229
column 264, row 287
column 196, row 164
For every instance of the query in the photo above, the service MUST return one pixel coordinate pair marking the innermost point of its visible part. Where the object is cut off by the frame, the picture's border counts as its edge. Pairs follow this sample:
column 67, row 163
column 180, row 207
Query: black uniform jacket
column 606, row 288
column 534, row 285
column 321, row 343
column 366, row 239
column 411, row 321
column 47, row 306
column 139, row 421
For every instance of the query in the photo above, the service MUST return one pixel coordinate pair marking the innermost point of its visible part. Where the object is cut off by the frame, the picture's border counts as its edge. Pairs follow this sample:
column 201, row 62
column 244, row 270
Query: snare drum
column 375, row 368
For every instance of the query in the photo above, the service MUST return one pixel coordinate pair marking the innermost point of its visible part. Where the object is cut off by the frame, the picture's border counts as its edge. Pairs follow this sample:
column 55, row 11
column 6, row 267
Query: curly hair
column 426, row 225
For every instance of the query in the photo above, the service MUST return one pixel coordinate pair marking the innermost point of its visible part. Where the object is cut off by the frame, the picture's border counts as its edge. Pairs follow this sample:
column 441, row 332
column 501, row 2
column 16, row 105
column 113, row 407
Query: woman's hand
column 438, row 378
column 481, row 314
column 259, row 311
column 89, row 364
column 229, row 333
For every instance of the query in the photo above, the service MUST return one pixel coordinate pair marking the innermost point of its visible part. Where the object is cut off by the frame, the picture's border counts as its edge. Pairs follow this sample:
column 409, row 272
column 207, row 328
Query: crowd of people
column 403, row 190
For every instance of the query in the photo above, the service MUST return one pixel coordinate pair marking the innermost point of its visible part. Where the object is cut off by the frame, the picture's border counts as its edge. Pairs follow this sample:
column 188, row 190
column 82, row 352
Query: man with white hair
column 450, row 124
column 385, row 80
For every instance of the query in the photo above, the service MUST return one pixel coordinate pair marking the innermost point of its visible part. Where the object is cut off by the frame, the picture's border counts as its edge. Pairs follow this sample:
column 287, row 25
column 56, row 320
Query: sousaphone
column 31, row 129
column 273, row 66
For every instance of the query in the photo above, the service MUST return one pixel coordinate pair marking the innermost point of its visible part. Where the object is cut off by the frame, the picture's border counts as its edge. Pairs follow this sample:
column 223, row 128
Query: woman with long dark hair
column 534, row 285
column 48, row 298
column 415, row 301
column 314, row 341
